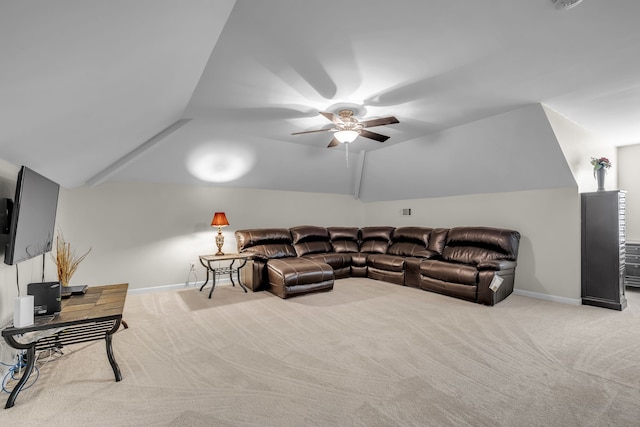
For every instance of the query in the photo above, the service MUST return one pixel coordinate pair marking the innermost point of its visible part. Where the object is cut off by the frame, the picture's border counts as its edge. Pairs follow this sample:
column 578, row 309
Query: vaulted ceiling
column 210, row 91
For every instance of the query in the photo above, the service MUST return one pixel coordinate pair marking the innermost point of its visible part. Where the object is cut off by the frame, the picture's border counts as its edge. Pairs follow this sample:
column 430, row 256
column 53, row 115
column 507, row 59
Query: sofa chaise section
column 276, row 266
column 293, row 276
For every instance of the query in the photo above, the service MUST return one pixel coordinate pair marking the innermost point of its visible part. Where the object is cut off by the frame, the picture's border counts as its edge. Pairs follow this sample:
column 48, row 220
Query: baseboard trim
column 547, row 297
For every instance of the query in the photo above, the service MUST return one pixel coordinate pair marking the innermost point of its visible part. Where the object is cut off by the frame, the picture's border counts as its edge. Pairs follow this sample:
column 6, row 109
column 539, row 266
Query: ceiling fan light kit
column 346, row 136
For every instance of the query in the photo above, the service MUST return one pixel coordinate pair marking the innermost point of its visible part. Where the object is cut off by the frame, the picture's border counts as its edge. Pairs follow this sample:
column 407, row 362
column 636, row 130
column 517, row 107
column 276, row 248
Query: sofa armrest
column 496, row 265
column 488, row 296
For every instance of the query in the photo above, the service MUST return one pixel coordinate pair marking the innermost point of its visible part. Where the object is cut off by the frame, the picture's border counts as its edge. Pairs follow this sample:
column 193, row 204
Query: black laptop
column 46, row 297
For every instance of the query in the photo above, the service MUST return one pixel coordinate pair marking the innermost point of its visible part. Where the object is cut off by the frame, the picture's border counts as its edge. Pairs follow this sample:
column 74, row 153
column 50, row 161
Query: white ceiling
column 84, row 84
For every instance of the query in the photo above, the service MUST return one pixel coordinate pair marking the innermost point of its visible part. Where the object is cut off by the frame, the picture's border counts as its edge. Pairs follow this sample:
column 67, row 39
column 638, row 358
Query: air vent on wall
column 406, row 212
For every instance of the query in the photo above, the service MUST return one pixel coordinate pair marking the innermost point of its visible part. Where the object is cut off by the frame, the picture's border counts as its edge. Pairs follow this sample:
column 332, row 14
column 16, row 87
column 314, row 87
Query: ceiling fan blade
column 332, row 117
column 372, row 135
column 379, row 122
column 311, row 131
column 333, row 143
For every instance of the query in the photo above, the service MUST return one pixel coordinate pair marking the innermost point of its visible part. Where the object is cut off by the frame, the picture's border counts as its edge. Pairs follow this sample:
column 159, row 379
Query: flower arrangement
column 66, row 260
column 600, row 163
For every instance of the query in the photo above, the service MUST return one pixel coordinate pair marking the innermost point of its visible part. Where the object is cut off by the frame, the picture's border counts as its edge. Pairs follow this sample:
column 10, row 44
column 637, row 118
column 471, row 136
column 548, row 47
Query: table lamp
column 219, row 220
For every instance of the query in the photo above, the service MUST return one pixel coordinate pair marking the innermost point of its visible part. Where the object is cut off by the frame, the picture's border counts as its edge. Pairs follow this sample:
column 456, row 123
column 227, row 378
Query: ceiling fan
column 348, row 128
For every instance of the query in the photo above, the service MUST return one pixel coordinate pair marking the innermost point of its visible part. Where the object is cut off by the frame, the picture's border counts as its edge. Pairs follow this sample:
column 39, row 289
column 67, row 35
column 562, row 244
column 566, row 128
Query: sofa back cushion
column 473, row 245
column 438, row 240
column 375, row 240
column 410, row 241
column 344, row 239
column 266, row 243
column 310, row 239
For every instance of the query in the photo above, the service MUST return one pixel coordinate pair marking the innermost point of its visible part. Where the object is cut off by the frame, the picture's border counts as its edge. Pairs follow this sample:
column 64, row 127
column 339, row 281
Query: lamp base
column 219, row 242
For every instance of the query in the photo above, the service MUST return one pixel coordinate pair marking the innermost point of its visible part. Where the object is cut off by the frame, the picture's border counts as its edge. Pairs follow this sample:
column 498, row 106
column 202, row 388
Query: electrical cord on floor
column 52, row 352
column 195, row 277
column 16, row 369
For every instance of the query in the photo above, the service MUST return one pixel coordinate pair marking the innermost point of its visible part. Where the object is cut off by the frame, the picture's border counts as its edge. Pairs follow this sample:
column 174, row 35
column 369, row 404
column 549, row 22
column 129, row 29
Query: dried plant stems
column 66, row 260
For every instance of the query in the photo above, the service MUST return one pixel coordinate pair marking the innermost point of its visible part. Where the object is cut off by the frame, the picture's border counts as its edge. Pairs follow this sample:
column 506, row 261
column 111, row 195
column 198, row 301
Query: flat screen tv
column 33, row 217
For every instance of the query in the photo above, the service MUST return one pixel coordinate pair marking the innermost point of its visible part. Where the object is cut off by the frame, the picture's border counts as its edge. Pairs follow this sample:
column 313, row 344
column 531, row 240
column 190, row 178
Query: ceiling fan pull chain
column 346, row 150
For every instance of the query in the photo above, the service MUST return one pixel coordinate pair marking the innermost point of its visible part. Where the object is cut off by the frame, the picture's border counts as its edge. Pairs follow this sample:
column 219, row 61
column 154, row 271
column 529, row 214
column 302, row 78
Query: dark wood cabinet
column 603, row 249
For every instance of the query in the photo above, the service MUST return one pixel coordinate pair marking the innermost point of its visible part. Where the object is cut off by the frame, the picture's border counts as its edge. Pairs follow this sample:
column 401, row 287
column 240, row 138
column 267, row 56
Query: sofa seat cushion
column 449, row 272
column 335, row 260
column 341, row 263
column 410, row 249
column 295, row 276
column 386, row 262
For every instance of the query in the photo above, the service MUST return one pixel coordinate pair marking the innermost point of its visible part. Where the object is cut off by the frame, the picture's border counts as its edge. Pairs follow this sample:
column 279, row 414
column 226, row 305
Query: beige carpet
column 366, row 354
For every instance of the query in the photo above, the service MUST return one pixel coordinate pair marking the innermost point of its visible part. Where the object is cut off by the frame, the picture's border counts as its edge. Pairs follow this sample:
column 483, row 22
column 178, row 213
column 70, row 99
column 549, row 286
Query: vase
column 600, row 174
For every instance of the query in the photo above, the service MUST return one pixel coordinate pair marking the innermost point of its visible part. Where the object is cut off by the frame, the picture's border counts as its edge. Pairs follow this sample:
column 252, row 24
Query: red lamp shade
column 219, row 219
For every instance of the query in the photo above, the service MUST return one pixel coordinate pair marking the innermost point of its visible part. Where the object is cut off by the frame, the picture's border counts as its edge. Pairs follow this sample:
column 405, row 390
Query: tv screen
column 33, row 217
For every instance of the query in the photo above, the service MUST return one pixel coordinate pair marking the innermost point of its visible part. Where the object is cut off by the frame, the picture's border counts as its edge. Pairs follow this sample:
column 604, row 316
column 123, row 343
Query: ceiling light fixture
column 346, row 136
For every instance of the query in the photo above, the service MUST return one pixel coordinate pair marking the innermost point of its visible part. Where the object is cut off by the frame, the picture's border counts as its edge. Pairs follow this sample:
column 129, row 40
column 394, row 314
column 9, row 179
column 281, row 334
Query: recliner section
column 404, row 244
column 461, row 262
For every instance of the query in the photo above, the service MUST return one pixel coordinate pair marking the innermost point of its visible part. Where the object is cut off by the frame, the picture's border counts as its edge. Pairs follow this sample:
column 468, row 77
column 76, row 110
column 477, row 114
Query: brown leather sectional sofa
column 461, row 262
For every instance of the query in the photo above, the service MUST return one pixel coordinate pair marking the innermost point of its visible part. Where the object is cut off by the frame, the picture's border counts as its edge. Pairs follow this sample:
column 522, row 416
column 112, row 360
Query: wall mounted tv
column 33, row 217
